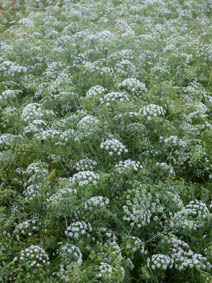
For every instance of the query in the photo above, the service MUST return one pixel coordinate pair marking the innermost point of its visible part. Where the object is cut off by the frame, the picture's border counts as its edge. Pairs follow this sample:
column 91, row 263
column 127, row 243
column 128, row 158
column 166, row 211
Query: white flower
column 84, row 178
column 113, row 97
column 133, row 86
column 82, row 227
column 114, row 147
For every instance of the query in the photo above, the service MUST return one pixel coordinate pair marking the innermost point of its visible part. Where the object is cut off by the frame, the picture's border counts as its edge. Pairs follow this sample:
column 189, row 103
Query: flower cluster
column 26, row 228
column 165, row 168
column 62, row 194
column 32, row 192
column 109, row 273
column 6, row 140
column 191, row 216
column 85, row 178
column 105, row 35
column 9, row 93
column 160, row 261
column 152, row 110
column 113, row 147
column 197, row 208
column 133, row 86
column 127, row 115
column 178, row 149
column 70, row 254
column 32, row 112
column 85, row 164
column 87, row 122
column 113, row 97
column 36, row 172
column 62, row 273
column 95, row 91
column 126, row 166
column 57, row 136
column 94, row 202
column 109, row 250
column 125, row 68
column 35, row 256
column 36, row 168
column 77, row 229
column 34, row 127
column 174, row 141
column 140, row 207
column 134, row 244
column 183, row 257
column 11, row 68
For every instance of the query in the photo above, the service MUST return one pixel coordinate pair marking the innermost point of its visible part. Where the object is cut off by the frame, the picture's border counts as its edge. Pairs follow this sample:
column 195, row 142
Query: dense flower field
column 105, row 141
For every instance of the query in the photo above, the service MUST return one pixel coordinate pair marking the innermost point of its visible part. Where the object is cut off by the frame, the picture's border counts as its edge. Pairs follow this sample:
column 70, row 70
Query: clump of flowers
column 35, row 256
column 160, row 261
column 182, row 256
column 113, row 147
column 125, row 68
column 36, row 168
column 109, row 273
column 133, row 86
column 191, row 216
column 62, row 273
column 105, row 36
column 70, row 254
column 97, row 201
column 78, row 229
column 127, row 115
column 34, row 127
column 85, row 164
column 174, row 141
column 152, row 110
column 113, row 97
column 11, row 68
column 37, row 172
column 133, row 244
column 178, row 149
column 87, row 122
column 62, row 194
column 6, row 140
column 165, row 168
column 26, row 228
column 126, row 166
column 32, row 192
column 95, row 91
column 31, row 112
column 9, row 94
column 85, row 178
column 106, row 247
column 141, row 207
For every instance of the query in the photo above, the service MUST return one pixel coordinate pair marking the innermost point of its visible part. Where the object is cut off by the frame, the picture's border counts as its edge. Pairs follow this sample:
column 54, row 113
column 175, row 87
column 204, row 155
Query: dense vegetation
column 106, row 141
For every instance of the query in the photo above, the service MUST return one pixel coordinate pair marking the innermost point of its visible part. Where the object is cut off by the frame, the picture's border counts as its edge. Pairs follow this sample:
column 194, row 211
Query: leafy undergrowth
column 106, row 141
